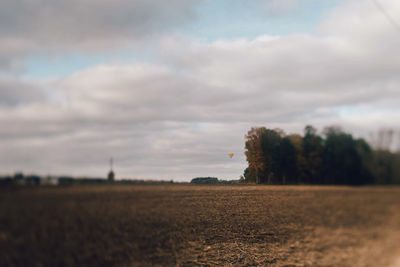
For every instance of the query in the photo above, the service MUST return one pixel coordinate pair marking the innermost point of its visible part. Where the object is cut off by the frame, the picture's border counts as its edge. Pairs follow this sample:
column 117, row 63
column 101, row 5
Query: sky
column 169, row 88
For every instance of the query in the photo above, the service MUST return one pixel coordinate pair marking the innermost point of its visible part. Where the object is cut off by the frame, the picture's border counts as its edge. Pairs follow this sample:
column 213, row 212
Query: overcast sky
column 169, row 88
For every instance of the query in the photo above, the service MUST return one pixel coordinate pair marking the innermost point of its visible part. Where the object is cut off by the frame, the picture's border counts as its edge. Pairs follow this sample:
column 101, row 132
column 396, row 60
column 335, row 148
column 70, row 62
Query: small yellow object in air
column 230, row 154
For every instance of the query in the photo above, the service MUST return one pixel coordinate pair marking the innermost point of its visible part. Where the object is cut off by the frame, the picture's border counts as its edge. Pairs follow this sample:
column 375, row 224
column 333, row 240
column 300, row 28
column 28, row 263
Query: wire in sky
column 387, row 15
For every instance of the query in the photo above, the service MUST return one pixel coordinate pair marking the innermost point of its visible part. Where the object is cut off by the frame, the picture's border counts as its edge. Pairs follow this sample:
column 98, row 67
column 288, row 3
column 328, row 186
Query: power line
column 387, row 15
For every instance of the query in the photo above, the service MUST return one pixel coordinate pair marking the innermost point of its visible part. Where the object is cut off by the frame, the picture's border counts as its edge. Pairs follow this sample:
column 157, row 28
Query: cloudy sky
column 169, row 88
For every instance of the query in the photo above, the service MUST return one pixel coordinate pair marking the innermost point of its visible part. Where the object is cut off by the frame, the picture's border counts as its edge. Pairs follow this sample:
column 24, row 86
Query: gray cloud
column 30, row 27
column 90, row 21
column 178, row 116
column 13, row 92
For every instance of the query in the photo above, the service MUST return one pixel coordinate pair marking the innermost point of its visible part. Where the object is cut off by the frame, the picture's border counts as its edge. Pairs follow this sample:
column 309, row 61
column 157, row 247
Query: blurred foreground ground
column 188, row 225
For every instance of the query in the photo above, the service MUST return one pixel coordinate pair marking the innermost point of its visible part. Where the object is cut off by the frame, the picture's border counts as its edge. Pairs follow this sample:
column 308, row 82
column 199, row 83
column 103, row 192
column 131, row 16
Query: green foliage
column 384, row 167
column 275, row 158
column 312, row 153
column 262, row 151
column 345, row 159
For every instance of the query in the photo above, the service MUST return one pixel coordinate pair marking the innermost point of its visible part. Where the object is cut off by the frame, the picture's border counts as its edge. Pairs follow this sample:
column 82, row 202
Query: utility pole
column 111, row 174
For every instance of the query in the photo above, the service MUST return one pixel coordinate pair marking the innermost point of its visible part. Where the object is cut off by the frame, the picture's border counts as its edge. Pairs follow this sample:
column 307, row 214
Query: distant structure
column 204, row 180
column 49, row 180
column 111, row 174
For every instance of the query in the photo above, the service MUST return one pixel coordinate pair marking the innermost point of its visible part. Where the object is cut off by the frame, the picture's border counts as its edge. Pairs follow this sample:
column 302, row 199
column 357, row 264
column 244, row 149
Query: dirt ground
column 189, row 225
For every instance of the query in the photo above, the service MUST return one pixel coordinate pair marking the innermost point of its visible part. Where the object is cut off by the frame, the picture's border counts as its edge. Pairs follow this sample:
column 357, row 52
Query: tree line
column 334, row 158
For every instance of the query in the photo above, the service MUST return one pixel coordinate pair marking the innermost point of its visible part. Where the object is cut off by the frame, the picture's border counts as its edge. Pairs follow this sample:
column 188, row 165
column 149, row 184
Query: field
column 188, row 225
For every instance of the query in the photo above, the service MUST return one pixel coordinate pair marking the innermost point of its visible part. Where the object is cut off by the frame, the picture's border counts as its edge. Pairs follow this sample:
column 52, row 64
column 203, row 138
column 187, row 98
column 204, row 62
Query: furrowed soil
column 189, row 225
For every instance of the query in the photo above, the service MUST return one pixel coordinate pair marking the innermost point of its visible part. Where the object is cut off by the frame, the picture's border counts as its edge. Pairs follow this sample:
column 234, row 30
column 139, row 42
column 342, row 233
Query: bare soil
column 189, row 225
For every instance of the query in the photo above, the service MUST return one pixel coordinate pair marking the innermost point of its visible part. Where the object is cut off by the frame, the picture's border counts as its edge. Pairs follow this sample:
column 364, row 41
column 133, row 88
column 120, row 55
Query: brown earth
column 188, row 225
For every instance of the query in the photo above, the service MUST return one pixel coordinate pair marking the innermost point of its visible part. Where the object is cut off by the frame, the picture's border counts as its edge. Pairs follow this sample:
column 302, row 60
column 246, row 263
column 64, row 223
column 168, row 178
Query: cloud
column 278, row 7
column 179, row 115
column 363, row 21
column 57, row 27
column 90, row 22
column 16, row 92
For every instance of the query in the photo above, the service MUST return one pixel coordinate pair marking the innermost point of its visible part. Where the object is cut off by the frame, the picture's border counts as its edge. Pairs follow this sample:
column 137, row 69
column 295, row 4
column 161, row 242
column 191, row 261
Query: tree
column 262, row 152
column 270, row 144
column 301, row 163
column 287, row 161
column 366, row 154
column 255, row 156
column 275, row 158
column 345, row 158
column 312, row 153
column 383, row 167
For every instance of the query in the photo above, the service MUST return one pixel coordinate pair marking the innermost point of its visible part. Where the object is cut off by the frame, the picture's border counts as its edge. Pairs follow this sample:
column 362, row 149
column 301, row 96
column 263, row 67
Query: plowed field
column 189, row 225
